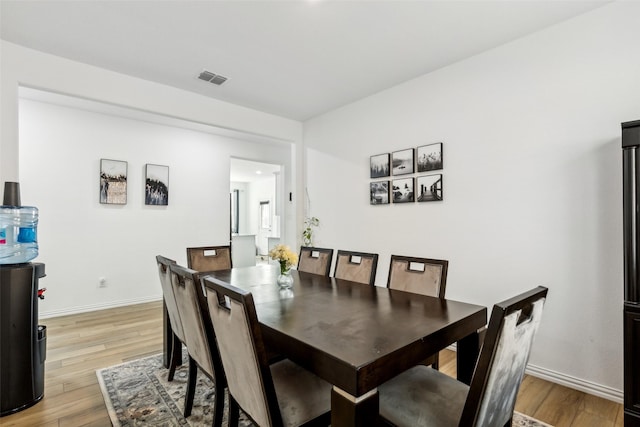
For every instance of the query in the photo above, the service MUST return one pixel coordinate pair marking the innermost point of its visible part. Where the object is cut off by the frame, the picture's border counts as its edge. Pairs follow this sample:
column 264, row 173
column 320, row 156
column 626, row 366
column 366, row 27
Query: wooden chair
column 200, row 339
column 209, row 258
column 424, row 396
column 177, row 338
column 281, row 394
column 418, row 275
column 421, row 276
column 356, row 266
column 315, row 260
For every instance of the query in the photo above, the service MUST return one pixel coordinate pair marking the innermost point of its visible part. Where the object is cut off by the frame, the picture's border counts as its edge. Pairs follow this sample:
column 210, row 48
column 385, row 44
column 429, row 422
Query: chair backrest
column 418, row 275
column 169, row 298
column 209, row 258
column 242, row 351
column 356, row 266
column 503, row 359
column 198, row 331
column 315, row 260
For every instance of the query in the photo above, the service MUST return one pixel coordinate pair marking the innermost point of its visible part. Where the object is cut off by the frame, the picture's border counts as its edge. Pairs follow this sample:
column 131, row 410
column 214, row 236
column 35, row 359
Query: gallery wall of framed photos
column 410, row 175
column 113, row 183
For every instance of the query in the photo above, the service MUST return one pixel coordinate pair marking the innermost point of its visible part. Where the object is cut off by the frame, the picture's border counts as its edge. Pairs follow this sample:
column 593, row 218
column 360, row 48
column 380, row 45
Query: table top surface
column 353, row 335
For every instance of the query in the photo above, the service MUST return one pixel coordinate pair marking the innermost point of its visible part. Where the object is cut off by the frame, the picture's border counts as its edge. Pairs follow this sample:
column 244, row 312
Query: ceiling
column 296, row 59
column 247, row 170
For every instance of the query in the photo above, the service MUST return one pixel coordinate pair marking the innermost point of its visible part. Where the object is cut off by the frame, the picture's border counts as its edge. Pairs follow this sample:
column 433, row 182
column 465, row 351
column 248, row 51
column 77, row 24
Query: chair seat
column 302, row 396
column 423, row 396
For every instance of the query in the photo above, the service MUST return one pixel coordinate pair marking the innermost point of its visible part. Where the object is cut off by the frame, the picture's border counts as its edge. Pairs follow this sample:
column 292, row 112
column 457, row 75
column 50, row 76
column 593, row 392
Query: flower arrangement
column 285, row 256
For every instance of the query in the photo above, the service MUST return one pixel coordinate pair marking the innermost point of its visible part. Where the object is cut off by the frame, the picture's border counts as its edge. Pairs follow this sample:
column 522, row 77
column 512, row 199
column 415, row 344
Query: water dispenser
column 23, row 341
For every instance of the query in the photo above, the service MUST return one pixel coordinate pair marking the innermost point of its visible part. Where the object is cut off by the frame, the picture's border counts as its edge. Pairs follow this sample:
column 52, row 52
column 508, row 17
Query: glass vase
column 285, row 281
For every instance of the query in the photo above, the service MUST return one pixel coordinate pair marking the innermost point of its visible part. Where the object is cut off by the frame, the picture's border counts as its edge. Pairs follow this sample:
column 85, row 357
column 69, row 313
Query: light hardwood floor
column 78, row 345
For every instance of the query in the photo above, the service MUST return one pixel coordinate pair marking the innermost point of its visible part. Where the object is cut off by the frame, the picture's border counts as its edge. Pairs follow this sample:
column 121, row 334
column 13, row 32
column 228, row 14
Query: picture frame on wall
column 429, row 188
column 379, row 165
column 402, row 190
column 402, row 162
column 156, row 187
column 379, row 192
column 429, row 157
column 113, row 182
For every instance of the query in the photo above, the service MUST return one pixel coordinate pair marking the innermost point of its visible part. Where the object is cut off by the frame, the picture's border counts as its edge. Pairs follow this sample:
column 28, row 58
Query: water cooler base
column 22, row 408
column 23, row 342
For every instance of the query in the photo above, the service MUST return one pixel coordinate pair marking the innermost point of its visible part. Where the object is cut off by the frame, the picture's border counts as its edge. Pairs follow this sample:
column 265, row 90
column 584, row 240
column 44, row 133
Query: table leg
column 348, row 410
column 467, row 353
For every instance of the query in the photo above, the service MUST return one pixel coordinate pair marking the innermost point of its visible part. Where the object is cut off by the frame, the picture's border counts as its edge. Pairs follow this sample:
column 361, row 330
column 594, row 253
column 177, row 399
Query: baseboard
column 588, row 387
column 95, row 307
column 576, row 383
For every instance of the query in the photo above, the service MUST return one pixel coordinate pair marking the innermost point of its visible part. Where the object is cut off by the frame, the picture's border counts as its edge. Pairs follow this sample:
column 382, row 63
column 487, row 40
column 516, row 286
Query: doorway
column 256, row 217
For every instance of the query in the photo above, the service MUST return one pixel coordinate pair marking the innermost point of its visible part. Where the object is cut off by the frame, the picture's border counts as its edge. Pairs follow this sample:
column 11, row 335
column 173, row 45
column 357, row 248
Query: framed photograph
column 402, row 162
column 380, row 166
column 379, row 192
column 429, row 157
column 113, row 182
column 402, row 190
column 156, row 187
column 429, row 188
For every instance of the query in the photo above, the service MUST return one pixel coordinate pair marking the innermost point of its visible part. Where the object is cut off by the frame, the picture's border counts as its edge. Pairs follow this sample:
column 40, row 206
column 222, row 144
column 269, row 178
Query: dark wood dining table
column 356, row 336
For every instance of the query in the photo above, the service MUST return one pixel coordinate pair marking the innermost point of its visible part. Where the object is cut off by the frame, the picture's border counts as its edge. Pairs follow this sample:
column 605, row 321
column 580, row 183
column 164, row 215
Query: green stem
column 283, row 267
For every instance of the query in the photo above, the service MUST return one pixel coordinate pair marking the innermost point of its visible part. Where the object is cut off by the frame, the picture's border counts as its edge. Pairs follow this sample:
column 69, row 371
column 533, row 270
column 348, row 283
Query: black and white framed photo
column 113, row 182
column 380, row 165
column 402, row 162
column 429, row 157
column 402, row 190
column 379, row 192
column 156, row 187
column 429, row 188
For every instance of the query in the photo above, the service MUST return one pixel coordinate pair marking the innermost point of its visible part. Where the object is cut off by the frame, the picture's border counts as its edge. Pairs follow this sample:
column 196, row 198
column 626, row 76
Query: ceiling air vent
column 210, row 77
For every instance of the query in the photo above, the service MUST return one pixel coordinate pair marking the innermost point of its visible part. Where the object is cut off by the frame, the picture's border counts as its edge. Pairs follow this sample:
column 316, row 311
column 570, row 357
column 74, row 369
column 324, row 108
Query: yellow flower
column 284, row 255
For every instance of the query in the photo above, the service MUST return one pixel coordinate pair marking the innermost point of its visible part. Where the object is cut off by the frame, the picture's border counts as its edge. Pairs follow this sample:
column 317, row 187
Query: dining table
column 356, row 336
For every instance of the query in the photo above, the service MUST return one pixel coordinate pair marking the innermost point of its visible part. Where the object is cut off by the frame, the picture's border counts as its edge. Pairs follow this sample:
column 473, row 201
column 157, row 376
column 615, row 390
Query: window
column 265, row 215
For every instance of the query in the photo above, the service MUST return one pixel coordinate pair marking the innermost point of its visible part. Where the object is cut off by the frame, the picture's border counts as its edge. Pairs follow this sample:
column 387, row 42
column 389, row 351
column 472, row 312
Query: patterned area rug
column 137, row 393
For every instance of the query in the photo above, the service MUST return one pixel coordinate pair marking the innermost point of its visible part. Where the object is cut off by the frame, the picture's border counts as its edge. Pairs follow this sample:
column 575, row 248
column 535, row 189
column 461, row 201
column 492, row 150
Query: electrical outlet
column 102, row 282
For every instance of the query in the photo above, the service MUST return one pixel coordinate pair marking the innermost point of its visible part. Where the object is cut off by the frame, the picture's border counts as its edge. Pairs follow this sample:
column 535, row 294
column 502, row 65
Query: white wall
column 22, row 67
column 532, row 182
column 82, row 240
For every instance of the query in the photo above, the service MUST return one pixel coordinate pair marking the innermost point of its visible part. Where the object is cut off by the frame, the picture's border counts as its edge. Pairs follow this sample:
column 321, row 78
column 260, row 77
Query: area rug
column 137, row 393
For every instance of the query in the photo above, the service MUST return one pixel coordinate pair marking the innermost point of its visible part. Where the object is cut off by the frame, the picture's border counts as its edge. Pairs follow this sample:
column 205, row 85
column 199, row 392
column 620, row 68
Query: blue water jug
column 18, row 228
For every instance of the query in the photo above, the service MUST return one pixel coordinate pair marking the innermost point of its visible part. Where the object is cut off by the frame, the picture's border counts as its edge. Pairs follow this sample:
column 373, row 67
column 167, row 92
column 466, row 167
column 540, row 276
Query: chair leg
column 176, row 356
column 218, row 404
column 234, row 412
column 191, row 387
column 172, row 369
